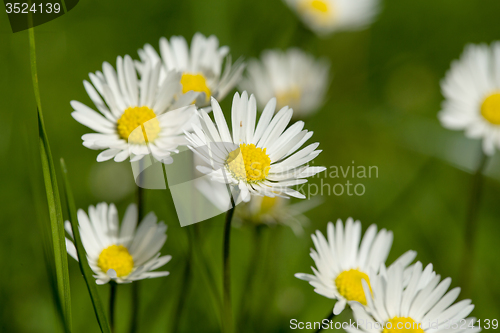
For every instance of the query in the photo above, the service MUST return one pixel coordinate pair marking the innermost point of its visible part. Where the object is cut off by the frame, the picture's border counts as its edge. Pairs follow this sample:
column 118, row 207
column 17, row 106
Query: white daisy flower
column 136, row 117
column 201, row 65
column 123, row 253
column 342, row 263
column 472, row 95
column 275, row 211
column 326, row 16
column 294, row 77
column 260, row 160
column 420, row 306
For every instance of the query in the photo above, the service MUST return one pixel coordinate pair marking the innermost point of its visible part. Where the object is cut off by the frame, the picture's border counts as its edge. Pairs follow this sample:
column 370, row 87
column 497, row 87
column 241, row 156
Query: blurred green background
column 381, row 111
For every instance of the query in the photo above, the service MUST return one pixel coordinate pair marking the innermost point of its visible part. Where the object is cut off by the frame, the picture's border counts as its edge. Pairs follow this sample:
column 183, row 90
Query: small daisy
column 342, row 262
column 260, row 158
column 472, row 95
column 201, row 65
column 275, row 211
column 136, row 117
column 420, row 306
column 326, row 16
column 294, row 77
column 123, row 253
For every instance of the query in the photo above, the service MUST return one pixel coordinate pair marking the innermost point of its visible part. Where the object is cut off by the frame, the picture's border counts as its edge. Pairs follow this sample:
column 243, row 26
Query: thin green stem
column 203, row 263
column 140, row 203
column 227, row 310
column 471, row 224
column 134, row 316
column 185, row 284
column 112, row 299
column 329, row 319
column 245, row 305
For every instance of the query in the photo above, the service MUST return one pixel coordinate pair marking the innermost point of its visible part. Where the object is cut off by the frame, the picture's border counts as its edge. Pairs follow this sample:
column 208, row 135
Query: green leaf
column 53, row 201
column 82, row 258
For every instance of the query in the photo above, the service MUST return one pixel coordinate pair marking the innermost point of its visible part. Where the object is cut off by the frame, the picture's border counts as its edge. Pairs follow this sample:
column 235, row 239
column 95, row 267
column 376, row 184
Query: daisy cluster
column 351, row 269
column 169, row 97
column 152, row 105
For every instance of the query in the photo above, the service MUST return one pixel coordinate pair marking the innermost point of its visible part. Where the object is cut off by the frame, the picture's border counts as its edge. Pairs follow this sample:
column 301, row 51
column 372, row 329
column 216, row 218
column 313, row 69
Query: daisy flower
column 294, row 77
column 472, row 95
column 275, row 211
column 326, row 16
column 342, row 263
column 201, row 65
column 259, row 158
column 123, row 253
column 136, row 117
column 421, row 306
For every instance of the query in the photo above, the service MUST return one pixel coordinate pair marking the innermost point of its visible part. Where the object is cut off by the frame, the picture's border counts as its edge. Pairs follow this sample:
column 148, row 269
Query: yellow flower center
column 315, row 7
column 249, row 163
column 290, row 97
column 195, row 82
column 402, row 325
column 118, row 258
column 138, row 116
column 349, row 285
column 267, row 204
column 490, row 109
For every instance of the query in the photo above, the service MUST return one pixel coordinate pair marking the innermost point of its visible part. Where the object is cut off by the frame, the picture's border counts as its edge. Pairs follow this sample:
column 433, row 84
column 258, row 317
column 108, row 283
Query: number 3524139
column 25, row 8
column 462, row 324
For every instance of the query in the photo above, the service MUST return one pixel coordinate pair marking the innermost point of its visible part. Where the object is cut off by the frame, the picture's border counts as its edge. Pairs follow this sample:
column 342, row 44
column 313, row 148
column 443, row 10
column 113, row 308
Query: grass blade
column 82, row 258
column 53, row 200
column 43, row 225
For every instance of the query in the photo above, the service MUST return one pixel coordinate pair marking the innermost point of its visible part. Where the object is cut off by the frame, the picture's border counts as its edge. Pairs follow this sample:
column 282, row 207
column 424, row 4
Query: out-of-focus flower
column 326, row 16
column 136, row 117
column 275, row 211
column 201, row 65
column 259, row 158
column 472, row 95
column 294, row 77
column 259, row 211
column 122, row 254
column 420, row 306
column 342, row 263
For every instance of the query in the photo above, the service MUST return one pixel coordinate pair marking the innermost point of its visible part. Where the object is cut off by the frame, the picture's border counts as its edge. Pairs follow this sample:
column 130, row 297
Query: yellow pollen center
column 195, row 82
column 290, row 97
column 320, row 7
column 402, row 325
column 248, row 163
column 349, row 285
column 267, row 204
column 138, row 116
column 490, row 109
column 118, row 258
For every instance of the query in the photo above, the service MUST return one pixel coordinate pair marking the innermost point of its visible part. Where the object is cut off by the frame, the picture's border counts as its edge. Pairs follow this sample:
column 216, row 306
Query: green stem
column 112, row 298
column 134, row 316
column 329, row 318
column 185, row 284
column 249, row 283
column 471, row 225
column 205, row 268
column 140, row 203
column 227, row 310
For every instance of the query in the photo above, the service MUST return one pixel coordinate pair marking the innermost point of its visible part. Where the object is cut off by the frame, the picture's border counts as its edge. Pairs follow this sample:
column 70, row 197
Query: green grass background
column 381, row 111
